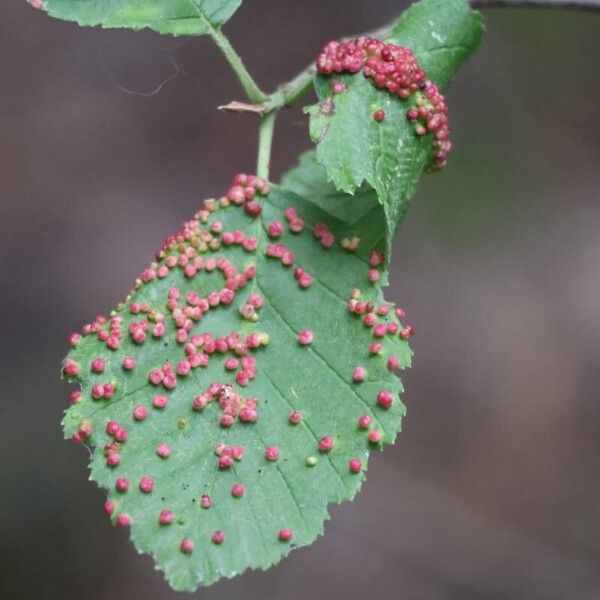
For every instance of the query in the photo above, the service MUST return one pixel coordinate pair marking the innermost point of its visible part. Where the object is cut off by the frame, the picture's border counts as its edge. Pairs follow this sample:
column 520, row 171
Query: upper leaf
column 442, row 33
column 387, row 154
column 251, row 370
column 176, row 17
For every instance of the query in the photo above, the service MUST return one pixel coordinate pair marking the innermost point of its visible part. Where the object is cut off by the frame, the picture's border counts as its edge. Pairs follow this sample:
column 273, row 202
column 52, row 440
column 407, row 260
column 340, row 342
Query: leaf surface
column 176, row 17
column 316, row 379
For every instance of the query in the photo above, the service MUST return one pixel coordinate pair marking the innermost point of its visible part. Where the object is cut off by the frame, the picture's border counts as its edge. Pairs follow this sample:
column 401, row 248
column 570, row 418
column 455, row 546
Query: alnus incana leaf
column 176, row 17
column 382, row 118
column 243, row 382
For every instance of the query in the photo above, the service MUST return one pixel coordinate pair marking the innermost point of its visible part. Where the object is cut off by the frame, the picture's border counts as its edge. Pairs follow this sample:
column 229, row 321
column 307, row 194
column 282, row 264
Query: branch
column 254, row 93
column 265, row 143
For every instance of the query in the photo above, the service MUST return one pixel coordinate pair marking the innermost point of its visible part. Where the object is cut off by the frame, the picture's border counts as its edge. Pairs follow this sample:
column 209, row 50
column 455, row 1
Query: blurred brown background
column 493, row 488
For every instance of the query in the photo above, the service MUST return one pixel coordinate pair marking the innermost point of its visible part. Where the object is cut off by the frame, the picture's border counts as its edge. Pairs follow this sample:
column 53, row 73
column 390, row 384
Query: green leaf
column 388, row 155
column 309, row 180
column 176, row 17
column 317, row 379
column 442, row 33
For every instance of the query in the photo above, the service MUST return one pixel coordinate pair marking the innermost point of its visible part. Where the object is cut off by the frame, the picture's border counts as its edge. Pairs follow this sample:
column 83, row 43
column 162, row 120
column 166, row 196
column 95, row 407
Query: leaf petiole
column 265, row 143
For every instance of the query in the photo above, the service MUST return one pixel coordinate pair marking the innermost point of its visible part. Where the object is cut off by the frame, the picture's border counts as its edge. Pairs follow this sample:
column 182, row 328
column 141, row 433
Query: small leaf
column 248, row 335
column 387, row 154
column 309, row 180
column 176, row 17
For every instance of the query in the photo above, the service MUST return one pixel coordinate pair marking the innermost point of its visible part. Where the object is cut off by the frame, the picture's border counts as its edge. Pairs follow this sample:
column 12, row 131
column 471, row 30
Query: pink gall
column 160, row 401
column 252, row 208
column 319, row 230
column 271, row 453
column 98, row 365
column 121, row 435
column 338, row 87
column 129, row 363
column 327, row 240
column 383, row 309
column 113, row 460
column 231, row 364
column 97, row 391
column 226, row 421
column 373, row 275
column 140, row 412
column 375, row 347
column 375, row 436
column 218, row 537
column 238, row 490
column 146, row 484
column 85, row 429
column 225, row 462
column 290, row 213
column 305, row 337
column 380, row 330
column 296, row 225
column 407, row 332
column 123, row 520
column 163, row 450
column 364, row 422
column 385, row 398
column 122, row 484
column 369, row 319
column 295, row 417
column 109, row 389
column 326, row 443
column 165, row 517
column 355, row 465
column 376, row 258
column 186, row 546
column 74, row 339
column 71, row 368
column 359, row 374
column 112, row 427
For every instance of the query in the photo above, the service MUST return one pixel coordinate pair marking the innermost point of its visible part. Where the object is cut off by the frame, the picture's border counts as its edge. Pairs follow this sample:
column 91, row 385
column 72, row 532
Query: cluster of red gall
column 227, row 454
column 395, row 69
column 201, row 347
column 106, row 330
column 323, row 233
column 183, row 251
column 112, row 450
column 377, row 319
column 250, row 309
column 233, row 405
